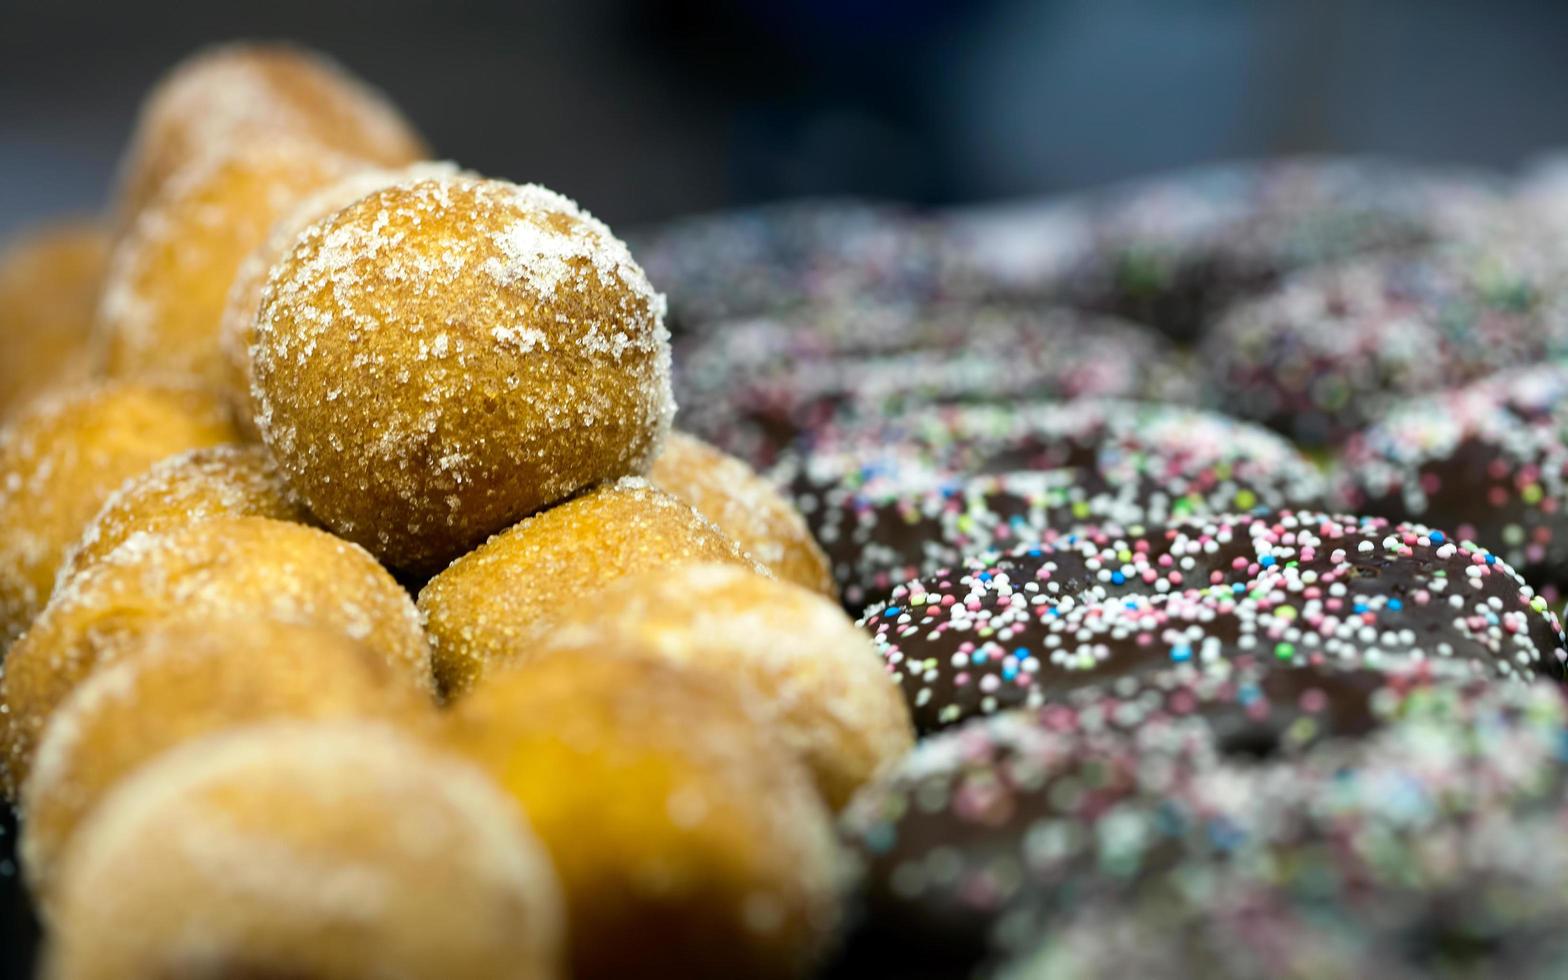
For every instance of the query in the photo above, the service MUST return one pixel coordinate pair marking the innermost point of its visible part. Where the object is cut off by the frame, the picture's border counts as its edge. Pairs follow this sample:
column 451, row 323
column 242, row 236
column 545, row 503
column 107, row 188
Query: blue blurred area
column 647, row 109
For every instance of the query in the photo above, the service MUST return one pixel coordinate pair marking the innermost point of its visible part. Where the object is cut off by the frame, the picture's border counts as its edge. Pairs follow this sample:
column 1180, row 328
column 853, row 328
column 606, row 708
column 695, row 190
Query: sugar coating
column 49, row 281
column 224, row 94
column 170, row 275
column 1018, row 628
column 923, row 490
column 1263, row 807
column 688, row 840
column 184, row 489
column 307, row 849
column 173, row 685
column 444, row 357
column 764, row 386
column 1488, row 462
column 63, row 457
column 235, row 567
column 744, row 505
column 814, row 679
column 1318, row 357
column 237, row 327
column 496, row 603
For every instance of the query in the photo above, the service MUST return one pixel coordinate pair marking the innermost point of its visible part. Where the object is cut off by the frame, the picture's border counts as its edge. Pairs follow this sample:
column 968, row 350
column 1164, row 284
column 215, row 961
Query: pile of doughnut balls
column 1156, row 582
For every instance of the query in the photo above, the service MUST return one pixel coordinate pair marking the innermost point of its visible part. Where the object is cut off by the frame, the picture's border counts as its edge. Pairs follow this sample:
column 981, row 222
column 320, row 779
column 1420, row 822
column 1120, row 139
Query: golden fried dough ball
column 184, row 489
column 232, row 567
column 446, row 356
column 688, row 841
column 49, row 282
column 745, row 506
column 175, row 684
column 62, row 458
column 498, row 602
column 171, row 272
column 223, row 95
column 813, row 677
column 237, row 327
column 334, row 850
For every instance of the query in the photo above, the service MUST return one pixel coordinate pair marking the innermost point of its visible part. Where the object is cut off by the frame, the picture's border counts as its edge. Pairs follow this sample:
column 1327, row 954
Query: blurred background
column 642, row 110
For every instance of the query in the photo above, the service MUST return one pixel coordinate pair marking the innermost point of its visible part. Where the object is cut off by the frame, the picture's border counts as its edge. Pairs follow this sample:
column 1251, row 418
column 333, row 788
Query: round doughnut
column 49, row 282
column 180, row 490
column 1322, row 354
column 170, row 274
column 760, row 387
column 1174, row 252
column 744, row 506
column 1488, row 462
column 924, row 491
column 230, row 567
column 688, row 841
column 497, row 602
column 237, row 326
column 1255, row 800
column 1020, row 628
column 63, row 457
column 447, row 356
column 225, row 94
column 779, row 257
column 172, row 685
column 299, row 849
column 812, row 677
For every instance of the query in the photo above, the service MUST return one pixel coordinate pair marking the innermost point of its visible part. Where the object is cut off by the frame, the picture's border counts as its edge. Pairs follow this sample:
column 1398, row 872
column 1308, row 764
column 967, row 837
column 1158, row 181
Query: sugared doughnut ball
column 223, row 95
column 1260, row 804
column 497, row 602
column 688, row 841
column 1023, row 627
column 170, row 275
column 49, row 283
column 745, row 506
column 1488, row 462
column 184, row 489
column 61, row 460
column 1322, row 354
column 812, row 677
column 237, row 327
column 232, row 567
column 759, row 388
column 297, row 849
column 923, row 491
column 449, row 355
column 173, row 685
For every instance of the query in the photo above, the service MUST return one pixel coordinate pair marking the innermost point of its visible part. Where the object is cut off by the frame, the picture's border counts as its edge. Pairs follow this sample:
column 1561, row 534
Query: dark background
column 644, row 110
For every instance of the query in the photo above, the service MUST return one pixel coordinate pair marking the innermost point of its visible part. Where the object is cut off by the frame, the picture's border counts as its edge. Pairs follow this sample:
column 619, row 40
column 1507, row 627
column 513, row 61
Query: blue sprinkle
column 1267, row 561
column 1021, row 652
column 1437, row 537
column 1360, row 607
column 985, row 576
column 1035, row 552
column 1181, row 652
column 1239, row 587
column 1008, row 673
column 1118, row 578
column 1395, row 605
column 978, row 657
column 891, row 612
column 1491, row 559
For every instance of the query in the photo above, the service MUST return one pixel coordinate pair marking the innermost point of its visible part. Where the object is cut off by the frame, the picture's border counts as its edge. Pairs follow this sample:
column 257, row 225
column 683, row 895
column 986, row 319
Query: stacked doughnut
column 365, row 614
column 1176, row 718
column 321, row 464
